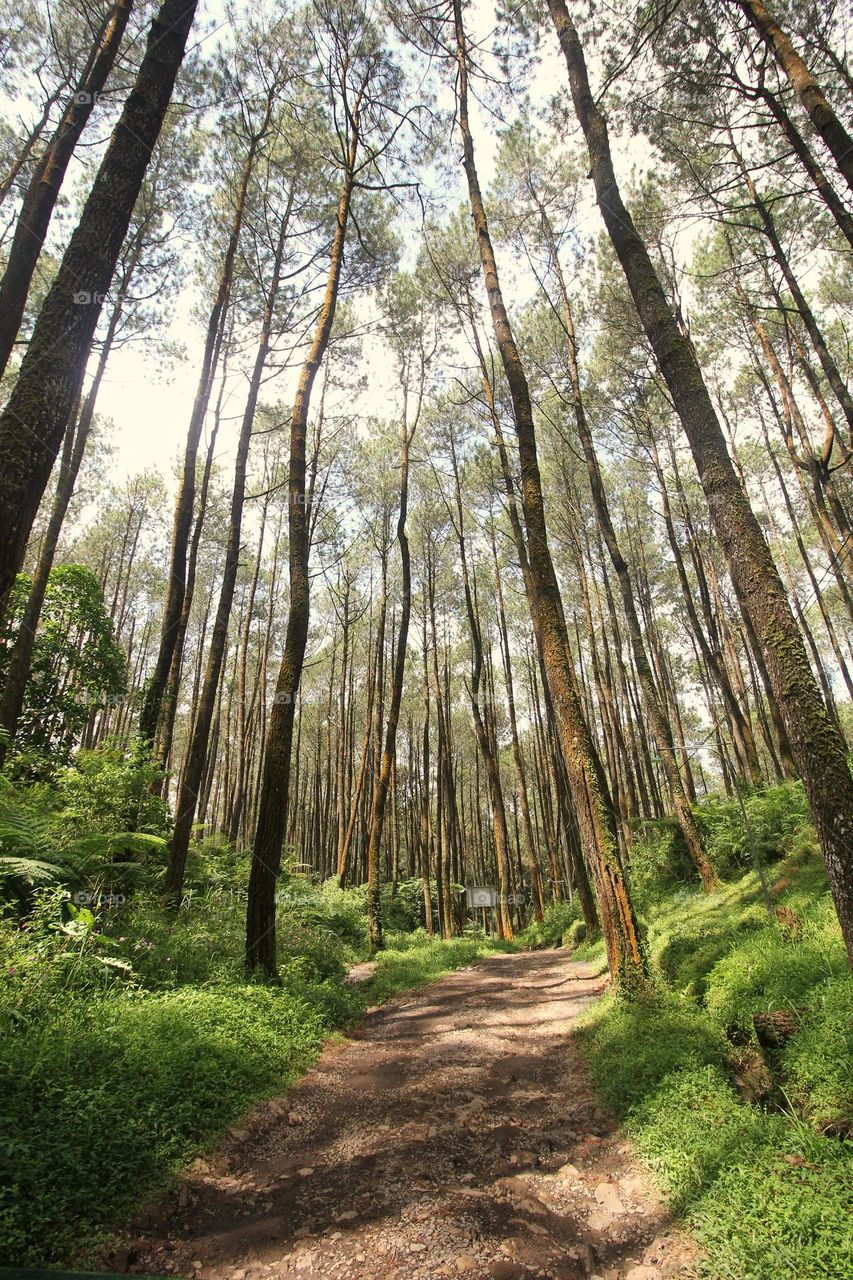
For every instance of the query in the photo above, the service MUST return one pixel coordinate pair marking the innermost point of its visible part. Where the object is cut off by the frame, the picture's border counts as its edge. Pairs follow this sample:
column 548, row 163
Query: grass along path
column 455, row 1133
column 110, row 1090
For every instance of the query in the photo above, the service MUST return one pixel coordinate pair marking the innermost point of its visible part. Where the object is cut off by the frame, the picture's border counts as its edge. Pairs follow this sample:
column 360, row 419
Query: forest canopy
column 462, row 583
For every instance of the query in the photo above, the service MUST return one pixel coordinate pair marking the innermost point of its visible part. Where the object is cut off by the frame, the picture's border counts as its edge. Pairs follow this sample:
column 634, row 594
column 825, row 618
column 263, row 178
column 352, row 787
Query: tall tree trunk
column 518, row 758
column 42, row 190
column 52, row 370
column 830, row 368
column 169, row 705
column 380, row 791
column 592, row 801
column 816, row 744
column 826, row 122
column 76, row 438
column 275, row 780
column 29, row 145
column 661, row 727
column 822, row 185
column 493, row 777
column 197, row 752
column 170, row 634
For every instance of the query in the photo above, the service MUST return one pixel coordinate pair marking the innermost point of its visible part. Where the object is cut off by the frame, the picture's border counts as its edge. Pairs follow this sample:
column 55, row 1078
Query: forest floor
column 455, row 1133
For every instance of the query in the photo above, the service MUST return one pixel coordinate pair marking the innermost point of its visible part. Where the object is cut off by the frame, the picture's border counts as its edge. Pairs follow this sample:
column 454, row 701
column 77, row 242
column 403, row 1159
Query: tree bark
column 275, row 780
column 77, row 435
column 661, row 727
column 389, row 750
column 815, row 742
column 42, row 190
column 197, row 752
column 170, row 634
column 592, row 801
column 52, row 370
column 821, row 114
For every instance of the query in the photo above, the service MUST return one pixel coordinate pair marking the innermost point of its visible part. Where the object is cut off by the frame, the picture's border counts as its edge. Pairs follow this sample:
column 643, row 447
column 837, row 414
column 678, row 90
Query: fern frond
column 31, row 871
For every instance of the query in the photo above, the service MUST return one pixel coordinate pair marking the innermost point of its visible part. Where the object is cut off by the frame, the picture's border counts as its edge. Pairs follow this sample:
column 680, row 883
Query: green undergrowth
column 130, row 1042
column 747, row 1136
column 410, row 960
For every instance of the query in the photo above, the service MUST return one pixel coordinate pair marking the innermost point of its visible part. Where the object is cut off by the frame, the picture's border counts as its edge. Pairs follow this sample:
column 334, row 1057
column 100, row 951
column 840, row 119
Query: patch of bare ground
column 455, row 1134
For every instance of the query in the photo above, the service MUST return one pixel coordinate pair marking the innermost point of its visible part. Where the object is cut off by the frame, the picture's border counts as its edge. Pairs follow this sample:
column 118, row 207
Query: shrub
column 779, row 821
column 575, row 934
column 56, row 953
column 766, row 1195
column 659, row 861
column 689, row 932
column 767, row 1198
column 558, row 917
column 109, row 790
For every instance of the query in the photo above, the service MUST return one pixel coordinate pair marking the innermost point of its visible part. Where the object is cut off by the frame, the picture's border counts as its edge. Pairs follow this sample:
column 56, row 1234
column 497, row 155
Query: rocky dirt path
column 454, row 1135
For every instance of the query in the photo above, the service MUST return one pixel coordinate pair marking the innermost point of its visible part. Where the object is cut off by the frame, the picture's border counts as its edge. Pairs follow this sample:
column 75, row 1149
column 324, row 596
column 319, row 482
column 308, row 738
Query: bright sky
column 150, row 402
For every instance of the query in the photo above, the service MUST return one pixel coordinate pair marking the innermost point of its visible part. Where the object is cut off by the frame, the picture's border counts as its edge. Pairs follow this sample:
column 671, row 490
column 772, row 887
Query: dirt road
column 454, row 1135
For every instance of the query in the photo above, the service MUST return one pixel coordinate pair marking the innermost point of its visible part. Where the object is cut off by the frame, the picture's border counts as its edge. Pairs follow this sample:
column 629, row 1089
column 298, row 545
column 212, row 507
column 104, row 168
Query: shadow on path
column 454, row 1134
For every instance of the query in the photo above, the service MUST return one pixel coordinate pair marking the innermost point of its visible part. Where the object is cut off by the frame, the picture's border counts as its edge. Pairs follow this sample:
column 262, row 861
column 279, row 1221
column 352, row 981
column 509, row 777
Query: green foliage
column 766, row 1194
column 106, row 1100
column 575, row 934
column 95, row 828
column 659, row 861
column 109, row 790
column 683, row 1039
column 131, row 1040
column 214, row 864
column 779, row 821
column 767, row 1198
column 56, row 954
column 690, row 931
column 27, row 853
column 818, row 1061
column 778, row 818
column 76, row 667
column 767, row 972
column 412, row 959
column 557, row 919
column 402, row 910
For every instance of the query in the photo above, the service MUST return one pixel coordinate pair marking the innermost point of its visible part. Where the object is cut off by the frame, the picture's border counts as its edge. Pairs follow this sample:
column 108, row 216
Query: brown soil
column 454, row 1134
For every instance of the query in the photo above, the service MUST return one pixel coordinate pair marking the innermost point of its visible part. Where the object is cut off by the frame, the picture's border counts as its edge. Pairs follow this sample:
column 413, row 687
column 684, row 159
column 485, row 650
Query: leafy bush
column 659, row 861
column 55, row 954
column 76, row 667
column 404, row 911
column 558, row 918
column 575, row 934
column 110, row 790
column 96, row 828
column 213, row 864
column 689, row 932
column 112, row 1095
column 134, row 1040
column 767, row 1198
column 766, row 1195
column 28, row 855
column 779, row 821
